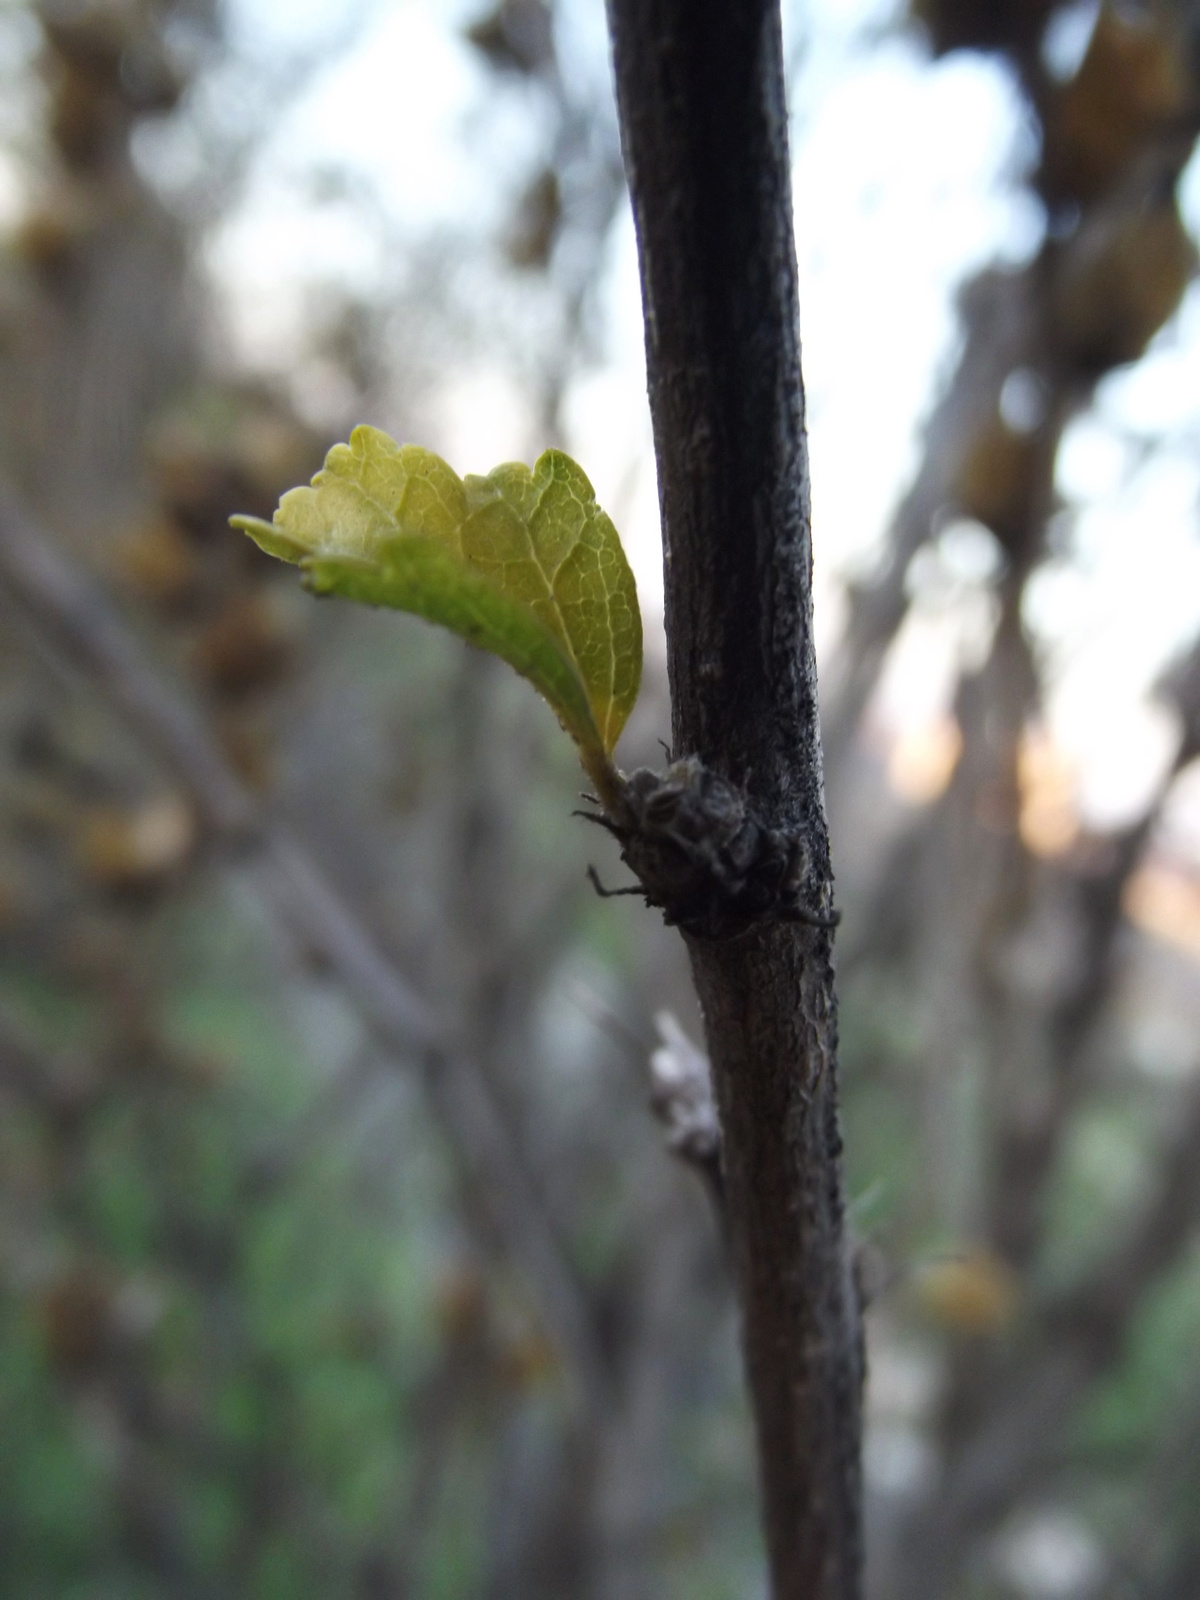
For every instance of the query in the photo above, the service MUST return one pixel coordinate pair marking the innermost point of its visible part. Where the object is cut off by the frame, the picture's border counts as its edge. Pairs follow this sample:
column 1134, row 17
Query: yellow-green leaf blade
column 542, row 536
column 367, row 492
column 536, row 540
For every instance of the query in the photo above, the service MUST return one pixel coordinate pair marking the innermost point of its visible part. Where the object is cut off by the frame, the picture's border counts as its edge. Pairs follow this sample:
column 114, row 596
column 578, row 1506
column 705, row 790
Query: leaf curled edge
column 521, row 562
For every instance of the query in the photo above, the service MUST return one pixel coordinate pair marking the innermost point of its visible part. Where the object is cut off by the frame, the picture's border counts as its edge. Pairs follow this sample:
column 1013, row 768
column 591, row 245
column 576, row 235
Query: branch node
column 705, row 858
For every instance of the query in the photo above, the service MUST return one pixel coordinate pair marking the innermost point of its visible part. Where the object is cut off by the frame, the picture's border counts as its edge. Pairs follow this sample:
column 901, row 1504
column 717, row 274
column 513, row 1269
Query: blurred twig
column 74, row 618
column 1011, row 1426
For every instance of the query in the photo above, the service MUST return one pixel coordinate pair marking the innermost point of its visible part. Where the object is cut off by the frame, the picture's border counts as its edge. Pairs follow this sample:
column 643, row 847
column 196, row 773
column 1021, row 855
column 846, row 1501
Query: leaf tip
column 269, row 536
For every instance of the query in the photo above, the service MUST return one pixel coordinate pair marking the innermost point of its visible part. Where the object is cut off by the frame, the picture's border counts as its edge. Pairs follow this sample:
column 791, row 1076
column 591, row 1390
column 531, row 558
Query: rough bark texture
column 704, row 129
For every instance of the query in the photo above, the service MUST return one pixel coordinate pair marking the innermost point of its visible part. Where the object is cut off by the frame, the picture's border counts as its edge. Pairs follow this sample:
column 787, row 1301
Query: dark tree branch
column 704, row 130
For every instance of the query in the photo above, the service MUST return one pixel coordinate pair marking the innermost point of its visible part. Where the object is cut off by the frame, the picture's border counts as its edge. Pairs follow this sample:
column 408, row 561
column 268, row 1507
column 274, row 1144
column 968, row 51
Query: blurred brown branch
column 1016, row 953
column 73, row 618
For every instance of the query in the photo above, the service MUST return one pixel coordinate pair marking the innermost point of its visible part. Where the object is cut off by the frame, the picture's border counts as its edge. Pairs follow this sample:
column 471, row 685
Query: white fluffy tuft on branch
column 681, row 1094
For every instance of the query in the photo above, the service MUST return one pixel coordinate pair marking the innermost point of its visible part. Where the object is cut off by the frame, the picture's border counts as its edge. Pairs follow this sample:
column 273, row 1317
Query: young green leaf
column 523, row 563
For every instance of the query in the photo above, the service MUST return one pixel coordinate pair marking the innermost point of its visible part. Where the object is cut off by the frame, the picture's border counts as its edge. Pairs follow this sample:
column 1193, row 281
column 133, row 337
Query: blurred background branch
column 264, row 1330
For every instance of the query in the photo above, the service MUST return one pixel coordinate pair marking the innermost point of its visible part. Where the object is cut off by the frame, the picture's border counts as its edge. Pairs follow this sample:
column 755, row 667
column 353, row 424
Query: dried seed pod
column 998, row 481
column 971, row 1295
column 981, row 24
column 245, row 647
column 531, row 237
column 1118, row 283
column 157, row 559
column 1131, row 89
column 130, row 849
column 517, row 36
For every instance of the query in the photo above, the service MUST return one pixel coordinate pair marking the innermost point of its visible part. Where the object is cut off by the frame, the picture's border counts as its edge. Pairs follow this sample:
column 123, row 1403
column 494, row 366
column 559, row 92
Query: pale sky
column 904, row 181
